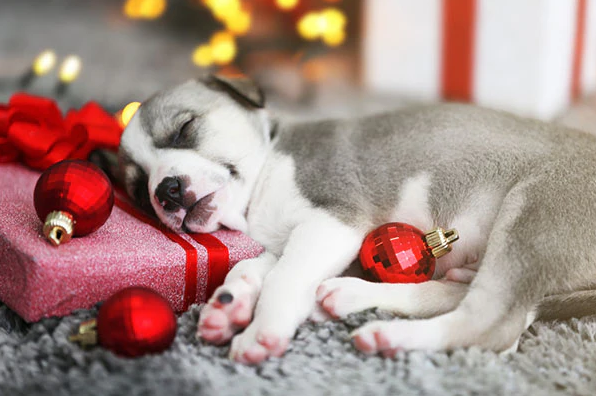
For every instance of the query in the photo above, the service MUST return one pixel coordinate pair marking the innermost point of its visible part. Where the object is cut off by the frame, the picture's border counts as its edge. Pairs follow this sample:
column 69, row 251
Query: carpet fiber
column 37, row 359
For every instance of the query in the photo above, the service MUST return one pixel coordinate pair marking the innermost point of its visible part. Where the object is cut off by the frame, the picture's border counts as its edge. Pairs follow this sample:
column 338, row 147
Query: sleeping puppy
column 206, row 155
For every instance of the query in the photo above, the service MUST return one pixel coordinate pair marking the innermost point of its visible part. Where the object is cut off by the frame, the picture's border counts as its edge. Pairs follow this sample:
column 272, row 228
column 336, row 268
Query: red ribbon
column 578, row 50
column 217, row 253
column 219, row 260
column 457, row 74
column 33, row 130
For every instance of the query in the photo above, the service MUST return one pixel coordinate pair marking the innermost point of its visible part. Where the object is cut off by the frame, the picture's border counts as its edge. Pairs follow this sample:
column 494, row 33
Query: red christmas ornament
column 133, row 322
column 401, row 253
column 72, row 198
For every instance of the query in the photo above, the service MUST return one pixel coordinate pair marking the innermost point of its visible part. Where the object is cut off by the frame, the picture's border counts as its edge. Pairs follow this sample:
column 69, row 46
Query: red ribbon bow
column 33, row 130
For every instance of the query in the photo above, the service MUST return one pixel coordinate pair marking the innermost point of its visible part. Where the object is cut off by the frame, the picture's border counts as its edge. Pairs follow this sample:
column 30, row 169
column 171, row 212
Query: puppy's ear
column 241, row 88
column 107, row 161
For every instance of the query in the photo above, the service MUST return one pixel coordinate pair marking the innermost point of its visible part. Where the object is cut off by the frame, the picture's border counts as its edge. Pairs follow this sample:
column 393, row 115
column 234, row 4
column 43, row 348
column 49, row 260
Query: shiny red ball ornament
column 72, row 198
column 401, row 253
column 136, row 321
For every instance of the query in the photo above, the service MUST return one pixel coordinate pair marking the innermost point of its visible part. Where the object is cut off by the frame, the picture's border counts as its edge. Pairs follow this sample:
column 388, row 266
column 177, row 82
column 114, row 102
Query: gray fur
column 356, row 170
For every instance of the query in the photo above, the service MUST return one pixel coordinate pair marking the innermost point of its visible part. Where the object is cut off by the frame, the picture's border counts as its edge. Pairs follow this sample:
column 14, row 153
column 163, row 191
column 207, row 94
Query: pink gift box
column 39, row 280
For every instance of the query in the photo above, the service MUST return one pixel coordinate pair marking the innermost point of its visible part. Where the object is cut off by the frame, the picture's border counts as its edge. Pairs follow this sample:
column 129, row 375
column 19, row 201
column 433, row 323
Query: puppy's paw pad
column 250, row 349
column 227, row 312
column 319, row 315
column 365, row 342
column 375, row 338
column 390, row 336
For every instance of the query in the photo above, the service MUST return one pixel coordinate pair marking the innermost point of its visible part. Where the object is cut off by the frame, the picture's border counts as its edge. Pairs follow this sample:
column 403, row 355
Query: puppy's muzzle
column 169, row 193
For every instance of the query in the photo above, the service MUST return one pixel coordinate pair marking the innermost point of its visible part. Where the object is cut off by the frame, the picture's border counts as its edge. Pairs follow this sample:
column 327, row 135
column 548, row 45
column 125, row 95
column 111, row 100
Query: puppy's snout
column 169, row 193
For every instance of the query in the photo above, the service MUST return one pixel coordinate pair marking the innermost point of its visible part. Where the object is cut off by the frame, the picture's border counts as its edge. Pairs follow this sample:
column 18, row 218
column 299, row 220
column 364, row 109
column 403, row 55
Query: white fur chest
column 277, row 205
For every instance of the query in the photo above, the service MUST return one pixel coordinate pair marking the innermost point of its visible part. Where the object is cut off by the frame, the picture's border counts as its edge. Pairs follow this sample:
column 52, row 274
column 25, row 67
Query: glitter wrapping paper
column 38, row 280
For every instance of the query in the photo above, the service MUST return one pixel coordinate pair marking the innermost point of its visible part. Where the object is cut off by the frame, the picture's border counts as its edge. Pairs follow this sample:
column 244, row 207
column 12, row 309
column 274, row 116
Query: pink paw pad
column 364, row 343
column 223, row 316
column 377, row 341
column 263, row 347
column 328, row 300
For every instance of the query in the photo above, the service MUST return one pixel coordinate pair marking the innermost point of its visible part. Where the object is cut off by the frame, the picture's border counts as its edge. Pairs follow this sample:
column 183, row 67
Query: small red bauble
column 401, row 253
column 136, row 321
column 133, row 322
column 72, row 198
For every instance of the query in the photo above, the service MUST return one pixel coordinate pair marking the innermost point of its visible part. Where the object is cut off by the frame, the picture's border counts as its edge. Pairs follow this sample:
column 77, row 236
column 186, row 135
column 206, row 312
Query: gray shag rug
column 37, row 359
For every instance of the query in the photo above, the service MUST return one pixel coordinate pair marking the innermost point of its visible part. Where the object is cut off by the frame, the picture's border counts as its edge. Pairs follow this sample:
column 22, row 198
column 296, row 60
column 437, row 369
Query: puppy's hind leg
column 231, row 307
column 494, row 312
column 342, row 296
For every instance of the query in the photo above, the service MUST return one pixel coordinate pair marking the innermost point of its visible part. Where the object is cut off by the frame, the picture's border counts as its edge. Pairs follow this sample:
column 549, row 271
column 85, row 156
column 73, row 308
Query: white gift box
column 530, row 57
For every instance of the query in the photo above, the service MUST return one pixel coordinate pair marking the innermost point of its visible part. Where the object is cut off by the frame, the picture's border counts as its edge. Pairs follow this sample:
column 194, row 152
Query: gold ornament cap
column 87, row 334
column 439, row 241
column 58, row 227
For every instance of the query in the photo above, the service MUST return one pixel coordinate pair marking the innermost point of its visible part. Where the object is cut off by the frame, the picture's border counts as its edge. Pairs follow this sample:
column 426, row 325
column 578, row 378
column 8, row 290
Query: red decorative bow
column 33, row 130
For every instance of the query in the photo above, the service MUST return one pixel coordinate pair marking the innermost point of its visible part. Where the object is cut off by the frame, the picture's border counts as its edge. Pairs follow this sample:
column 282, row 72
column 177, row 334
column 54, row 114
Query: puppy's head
column 191, row 154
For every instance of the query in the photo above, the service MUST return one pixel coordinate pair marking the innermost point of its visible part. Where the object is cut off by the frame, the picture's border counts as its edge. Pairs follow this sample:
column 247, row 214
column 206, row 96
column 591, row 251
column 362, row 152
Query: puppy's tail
column 565, row 306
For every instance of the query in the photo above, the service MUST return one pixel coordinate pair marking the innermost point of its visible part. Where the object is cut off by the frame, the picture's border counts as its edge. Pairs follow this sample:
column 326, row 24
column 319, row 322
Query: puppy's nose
column 169, row 193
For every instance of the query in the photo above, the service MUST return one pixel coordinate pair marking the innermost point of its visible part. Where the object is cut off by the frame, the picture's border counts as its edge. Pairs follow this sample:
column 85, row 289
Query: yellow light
column 146, row 9
column 128, row 112
column 152, row 9
column 223, row 8
column 239, row 23
column 334, row 38
column 223, row 48
column 334, row 19
column 286, row 4
column 132, row 8
column 308, row 26
column 70, row 69
column 202, row 56
column 44, row 62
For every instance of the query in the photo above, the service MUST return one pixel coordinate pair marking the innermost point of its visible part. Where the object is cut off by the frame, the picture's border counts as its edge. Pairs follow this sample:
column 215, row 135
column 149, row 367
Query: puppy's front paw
column 255, row 345
column 342, row 296
column 227, row 312
column 389, row 337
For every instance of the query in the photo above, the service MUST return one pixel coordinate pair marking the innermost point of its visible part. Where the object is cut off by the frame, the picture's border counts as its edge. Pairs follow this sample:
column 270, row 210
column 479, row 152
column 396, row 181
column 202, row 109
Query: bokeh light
column 308, row 26
column 239, row 23
column 223, row 8
column 223, row 47
column 144, row 9
column 128, row 112
column 286, row 4
column 334, row 38
column 70, row 69
column 44, row 62
column 328, row 25
column 202, row 56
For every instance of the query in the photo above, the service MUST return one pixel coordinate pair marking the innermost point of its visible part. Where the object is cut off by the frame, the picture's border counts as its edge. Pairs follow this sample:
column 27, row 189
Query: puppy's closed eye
column 181, row 137
column 232, row 169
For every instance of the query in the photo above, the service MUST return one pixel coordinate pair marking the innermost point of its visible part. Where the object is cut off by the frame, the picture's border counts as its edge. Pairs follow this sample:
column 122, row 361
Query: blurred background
column 312, row 57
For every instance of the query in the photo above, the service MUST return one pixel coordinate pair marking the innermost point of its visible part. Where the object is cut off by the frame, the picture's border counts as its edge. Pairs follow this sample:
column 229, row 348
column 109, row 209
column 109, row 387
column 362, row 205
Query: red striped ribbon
column 459, row 23
column 578, row 50
column 219, row 260
column 217, row 252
